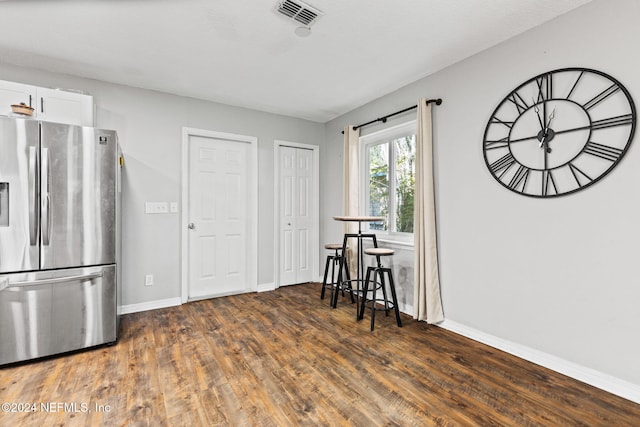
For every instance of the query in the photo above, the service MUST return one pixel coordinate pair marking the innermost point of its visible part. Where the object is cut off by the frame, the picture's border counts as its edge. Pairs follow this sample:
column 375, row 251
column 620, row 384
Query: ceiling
column 242, row 53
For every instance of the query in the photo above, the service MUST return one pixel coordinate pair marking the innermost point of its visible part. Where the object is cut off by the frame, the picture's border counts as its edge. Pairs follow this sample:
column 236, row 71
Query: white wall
column 559, row 276
column 149, row 126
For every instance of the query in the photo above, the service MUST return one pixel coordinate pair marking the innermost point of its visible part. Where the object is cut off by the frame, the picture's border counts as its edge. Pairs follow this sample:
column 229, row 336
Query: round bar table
column 360, row 260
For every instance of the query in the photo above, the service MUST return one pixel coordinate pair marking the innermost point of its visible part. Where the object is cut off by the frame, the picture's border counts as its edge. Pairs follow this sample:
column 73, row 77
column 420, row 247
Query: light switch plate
column 156, row 207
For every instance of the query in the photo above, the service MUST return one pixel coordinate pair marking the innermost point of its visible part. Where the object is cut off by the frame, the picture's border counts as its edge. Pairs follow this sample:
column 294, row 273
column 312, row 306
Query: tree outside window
column 391, row 183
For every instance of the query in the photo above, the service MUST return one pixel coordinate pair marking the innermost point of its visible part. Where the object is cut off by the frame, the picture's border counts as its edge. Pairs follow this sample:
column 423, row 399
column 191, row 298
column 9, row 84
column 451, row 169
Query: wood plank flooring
column 284, row 358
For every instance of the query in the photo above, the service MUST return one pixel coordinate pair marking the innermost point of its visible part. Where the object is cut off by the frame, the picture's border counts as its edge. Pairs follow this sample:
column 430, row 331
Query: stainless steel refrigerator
column 59, row 238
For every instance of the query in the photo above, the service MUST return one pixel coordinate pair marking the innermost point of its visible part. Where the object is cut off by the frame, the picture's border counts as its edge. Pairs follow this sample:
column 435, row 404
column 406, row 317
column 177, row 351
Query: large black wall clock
column 559, row 132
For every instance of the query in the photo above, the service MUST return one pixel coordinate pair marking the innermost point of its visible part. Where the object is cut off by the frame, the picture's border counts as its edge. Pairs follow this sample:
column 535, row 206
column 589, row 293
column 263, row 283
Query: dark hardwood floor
column 285, row 358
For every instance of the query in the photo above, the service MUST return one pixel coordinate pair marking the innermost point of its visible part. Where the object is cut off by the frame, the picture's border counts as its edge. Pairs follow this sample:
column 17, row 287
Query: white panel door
column 218, row 217
column 296, row 216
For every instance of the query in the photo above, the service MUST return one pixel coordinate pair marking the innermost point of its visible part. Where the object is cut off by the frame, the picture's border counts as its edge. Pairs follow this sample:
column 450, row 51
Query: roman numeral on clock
column 601, row 96
column 502, row 164
column 496, row 120
column 521, row 176
column 577, row 173
column 625, row 119
column 548, row 183
column 517, row 100
column 575, row 84
column 545, row 87
column 603, row 151
column 496, row 143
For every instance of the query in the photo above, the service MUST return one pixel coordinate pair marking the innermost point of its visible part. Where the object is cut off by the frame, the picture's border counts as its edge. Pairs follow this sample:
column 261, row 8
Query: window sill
column 394, row 242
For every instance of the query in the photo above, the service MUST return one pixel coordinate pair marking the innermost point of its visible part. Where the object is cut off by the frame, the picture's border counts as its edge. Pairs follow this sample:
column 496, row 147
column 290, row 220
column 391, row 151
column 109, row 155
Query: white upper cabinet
column 64, row 107
column 50, row 105
column 15, row 93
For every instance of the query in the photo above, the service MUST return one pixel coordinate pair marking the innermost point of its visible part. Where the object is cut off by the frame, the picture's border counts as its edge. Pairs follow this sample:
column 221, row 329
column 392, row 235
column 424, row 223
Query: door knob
column 191, row 226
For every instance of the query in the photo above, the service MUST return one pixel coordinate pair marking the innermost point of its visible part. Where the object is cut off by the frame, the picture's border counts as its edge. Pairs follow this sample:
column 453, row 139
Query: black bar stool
column 336, row 283
column 378, row 282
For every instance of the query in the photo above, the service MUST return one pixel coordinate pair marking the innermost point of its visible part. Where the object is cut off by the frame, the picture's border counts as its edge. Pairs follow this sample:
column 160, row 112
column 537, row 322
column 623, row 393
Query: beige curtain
column 350, row 193
column 427, row 304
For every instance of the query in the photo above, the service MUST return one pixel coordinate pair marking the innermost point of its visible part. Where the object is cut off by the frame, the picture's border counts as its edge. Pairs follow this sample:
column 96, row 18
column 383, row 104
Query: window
column 388, row 179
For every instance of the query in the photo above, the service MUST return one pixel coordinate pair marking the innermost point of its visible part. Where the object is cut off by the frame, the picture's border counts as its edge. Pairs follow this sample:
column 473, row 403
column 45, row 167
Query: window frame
column 376, row 138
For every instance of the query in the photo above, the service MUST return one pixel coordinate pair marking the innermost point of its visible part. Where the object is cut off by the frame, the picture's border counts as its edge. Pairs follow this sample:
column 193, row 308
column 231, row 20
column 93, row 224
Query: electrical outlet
column 173, row 207
column 148, row 280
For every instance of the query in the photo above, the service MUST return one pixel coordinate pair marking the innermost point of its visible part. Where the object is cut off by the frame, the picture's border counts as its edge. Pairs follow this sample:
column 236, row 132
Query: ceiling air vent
column 299, row 11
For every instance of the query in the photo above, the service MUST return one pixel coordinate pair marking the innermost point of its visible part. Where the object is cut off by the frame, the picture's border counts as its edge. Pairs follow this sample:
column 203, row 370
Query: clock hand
column 551, row 116
column 537, row 110
column 546, row 130
column 544, row 143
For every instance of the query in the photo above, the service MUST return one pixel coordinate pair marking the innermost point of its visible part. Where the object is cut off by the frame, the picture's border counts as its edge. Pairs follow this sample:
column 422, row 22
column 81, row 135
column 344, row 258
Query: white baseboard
column 150, row 305
column 406, row 309
column 590, row 376
column 266, row 287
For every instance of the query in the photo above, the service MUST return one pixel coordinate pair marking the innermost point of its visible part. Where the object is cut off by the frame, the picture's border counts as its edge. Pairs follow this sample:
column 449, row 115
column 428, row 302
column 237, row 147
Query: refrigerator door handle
column 33, row 197
column 83, row 277
column 46, row 215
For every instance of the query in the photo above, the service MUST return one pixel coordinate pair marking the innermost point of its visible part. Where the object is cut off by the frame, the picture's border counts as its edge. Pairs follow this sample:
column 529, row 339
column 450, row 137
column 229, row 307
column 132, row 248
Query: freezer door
column 78, row 191
column 50, row 312
column 19, row 203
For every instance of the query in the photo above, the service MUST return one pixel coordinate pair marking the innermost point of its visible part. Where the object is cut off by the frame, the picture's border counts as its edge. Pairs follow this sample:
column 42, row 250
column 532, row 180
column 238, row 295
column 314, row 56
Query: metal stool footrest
column 386, row 304
column 379, row 272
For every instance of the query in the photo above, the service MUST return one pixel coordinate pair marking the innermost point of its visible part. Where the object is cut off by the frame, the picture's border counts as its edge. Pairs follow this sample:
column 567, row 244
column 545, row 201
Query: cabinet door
column 15, row 93
column 64, row 107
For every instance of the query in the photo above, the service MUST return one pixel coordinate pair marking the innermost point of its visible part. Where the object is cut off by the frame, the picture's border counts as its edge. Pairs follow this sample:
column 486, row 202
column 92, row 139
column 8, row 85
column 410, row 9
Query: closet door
column 296, row 217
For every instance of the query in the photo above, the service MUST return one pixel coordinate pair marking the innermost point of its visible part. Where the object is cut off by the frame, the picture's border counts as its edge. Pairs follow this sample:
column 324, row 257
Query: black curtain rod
column 384, row 119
